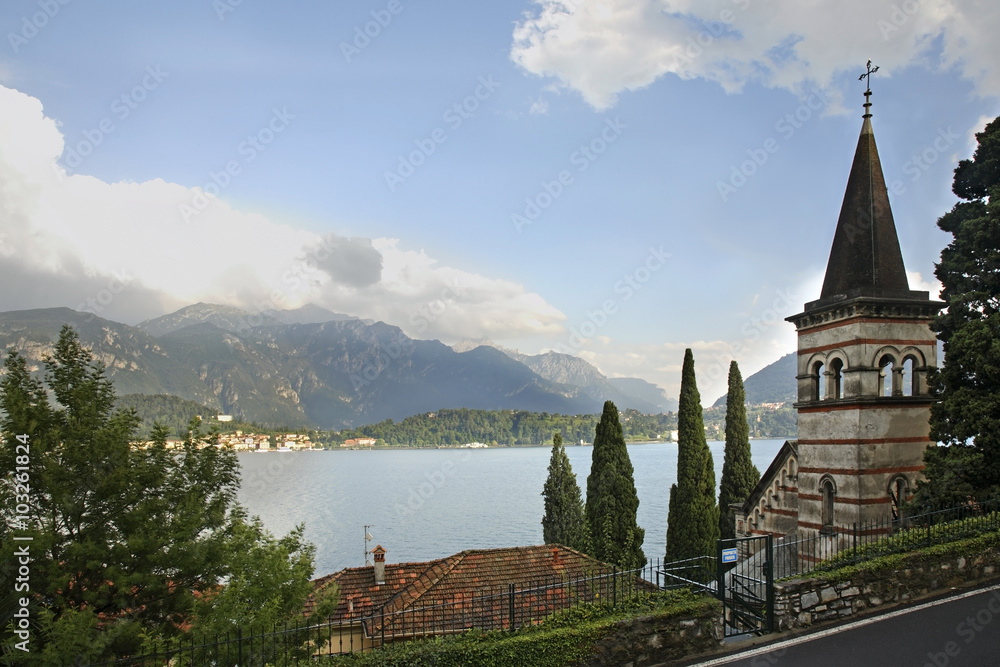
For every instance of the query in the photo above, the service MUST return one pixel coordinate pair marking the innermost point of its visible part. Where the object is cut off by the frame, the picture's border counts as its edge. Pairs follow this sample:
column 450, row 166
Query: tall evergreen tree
column 612, row 502
column 124, row 541
column 563, row 521
column 693, row 518
column 967, row 418
column 739, row 474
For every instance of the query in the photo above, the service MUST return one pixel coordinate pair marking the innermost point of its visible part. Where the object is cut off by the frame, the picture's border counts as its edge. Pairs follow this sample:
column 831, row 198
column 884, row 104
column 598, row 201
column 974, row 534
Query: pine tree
column 968, row 383
column 563, row 521
column 128, row 536
column 739, row 474
column 693, row 518
column 612, row 502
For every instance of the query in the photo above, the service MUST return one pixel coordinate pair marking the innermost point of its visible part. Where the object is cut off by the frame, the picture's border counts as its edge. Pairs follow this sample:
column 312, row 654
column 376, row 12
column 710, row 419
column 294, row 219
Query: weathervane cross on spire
column 868, row 75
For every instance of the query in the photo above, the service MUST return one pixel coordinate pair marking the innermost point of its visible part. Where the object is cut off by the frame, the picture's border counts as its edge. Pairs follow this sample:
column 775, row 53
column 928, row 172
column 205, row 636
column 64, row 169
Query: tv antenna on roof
column 368, row 538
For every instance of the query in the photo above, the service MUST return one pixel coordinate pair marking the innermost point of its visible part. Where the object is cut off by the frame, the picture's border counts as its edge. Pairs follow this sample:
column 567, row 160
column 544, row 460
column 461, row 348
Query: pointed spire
column 865, row 259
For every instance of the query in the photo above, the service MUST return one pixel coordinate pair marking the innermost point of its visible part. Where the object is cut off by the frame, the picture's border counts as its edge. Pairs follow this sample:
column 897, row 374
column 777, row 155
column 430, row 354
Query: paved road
column 962, row 631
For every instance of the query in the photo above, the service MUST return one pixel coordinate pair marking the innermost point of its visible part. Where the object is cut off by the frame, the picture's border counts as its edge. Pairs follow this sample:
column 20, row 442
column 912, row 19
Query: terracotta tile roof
column 469, row 588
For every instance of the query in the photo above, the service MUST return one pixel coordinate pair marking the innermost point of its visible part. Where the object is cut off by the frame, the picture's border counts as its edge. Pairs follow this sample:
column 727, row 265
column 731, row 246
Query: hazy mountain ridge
column 332, row 374
column 566, row 369
column 775, row 383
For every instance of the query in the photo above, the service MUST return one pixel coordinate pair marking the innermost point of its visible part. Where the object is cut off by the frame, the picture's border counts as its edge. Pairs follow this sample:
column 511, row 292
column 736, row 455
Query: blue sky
column 617, row 179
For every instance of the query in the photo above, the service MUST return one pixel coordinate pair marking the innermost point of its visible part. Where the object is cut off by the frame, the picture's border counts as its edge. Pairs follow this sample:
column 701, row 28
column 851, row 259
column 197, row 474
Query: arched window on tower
column 837, row 378
column 819, row 381
column 885, row 376
column 828, row 492
column 898, row 489
column 908, row 389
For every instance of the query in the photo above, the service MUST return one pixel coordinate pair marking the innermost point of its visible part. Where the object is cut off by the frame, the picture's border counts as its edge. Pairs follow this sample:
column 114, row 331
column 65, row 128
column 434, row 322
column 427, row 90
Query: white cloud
column 917, row 283
column 601, row 48
column 64, row 238
column 539, row 107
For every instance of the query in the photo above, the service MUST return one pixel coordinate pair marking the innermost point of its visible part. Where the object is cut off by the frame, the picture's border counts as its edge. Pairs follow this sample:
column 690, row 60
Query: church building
column 864, row 350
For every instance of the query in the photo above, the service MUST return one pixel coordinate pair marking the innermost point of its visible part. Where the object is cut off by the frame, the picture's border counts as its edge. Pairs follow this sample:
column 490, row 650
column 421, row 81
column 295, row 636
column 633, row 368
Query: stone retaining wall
column 651, row 640
column 802, row 602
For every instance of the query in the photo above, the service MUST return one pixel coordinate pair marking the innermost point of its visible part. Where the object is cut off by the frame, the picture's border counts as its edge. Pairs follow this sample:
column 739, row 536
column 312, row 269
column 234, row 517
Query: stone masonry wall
column 655, row 639
column 802, row 602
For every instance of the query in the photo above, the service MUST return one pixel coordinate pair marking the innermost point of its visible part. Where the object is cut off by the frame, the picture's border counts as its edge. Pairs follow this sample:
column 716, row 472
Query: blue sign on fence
column 729, row 555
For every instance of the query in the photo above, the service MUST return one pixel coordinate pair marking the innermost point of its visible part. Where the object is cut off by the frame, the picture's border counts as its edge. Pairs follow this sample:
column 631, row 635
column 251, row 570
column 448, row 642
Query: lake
column 431, row 503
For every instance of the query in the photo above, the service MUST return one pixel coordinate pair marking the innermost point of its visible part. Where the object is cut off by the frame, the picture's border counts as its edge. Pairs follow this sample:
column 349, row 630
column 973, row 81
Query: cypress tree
column 612, row 502
column 968, row 383
column 739, row 474
column 563, row 520
column 693, row 518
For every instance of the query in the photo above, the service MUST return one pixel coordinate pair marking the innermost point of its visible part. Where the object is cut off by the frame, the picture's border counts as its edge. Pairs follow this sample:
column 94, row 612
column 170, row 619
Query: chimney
column 378, row 554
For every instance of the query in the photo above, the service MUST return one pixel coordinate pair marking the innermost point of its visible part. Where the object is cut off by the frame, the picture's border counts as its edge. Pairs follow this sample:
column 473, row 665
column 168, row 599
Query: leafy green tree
column 563, row 521
column 124, row 540
column 612, row 502
column 693, row 517
column 739, row 474
column 268, row 581
column 967, row 418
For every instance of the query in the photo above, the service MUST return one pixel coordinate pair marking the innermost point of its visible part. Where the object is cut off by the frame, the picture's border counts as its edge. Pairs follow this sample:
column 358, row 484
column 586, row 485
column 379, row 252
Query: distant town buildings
column 250, row 442
column 359, row 442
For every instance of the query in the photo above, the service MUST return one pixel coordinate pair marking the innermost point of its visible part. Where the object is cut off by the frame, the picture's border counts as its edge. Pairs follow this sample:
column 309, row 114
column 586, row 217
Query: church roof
column 865, row 260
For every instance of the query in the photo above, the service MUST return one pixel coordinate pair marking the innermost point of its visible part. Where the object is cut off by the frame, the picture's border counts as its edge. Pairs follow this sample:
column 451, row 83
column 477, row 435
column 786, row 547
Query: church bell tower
column 864, row 350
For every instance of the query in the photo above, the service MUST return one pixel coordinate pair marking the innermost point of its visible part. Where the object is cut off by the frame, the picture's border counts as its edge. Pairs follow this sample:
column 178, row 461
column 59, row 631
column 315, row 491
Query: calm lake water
column 432, row 503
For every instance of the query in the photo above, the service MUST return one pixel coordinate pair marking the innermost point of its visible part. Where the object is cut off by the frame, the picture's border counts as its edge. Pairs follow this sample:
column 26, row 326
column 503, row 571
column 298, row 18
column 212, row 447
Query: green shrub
column 563, row 640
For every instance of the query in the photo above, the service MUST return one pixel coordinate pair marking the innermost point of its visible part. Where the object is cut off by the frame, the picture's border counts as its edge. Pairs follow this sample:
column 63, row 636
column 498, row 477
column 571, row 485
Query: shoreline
column 391, row 448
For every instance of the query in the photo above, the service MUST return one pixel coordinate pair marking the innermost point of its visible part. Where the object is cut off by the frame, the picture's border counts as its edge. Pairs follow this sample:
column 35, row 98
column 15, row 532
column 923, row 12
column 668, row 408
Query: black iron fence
column 881, row 537
column 508, row 608
column 515, row 606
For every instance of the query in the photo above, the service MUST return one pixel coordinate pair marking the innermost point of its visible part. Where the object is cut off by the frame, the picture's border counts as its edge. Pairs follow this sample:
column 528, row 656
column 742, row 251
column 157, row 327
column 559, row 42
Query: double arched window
column 828, row 378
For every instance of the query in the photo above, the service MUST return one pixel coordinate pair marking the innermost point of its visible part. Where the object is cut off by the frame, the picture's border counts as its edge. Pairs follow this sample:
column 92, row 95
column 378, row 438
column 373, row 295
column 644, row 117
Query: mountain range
column 314, row 368
column 774, row 383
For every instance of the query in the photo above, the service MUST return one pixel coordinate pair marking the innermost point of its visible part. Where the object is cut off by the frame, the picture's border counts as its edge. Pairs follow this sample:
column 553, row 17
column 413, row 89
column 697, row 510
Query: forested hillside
column 176, row 413
column 500, row 427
